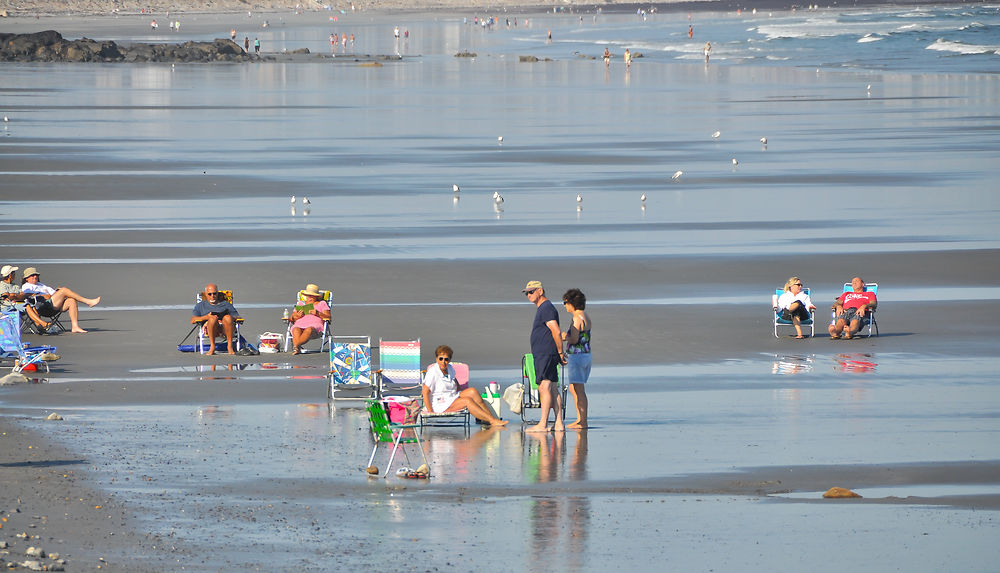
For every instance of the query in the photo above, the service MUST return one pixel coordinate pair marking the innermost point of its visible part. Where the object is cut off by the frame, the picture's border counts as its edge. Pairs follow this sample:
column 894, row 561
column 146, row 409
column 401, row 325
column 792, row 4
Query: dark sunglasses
column 211, row 294
column 444, row 359
column 529, row 292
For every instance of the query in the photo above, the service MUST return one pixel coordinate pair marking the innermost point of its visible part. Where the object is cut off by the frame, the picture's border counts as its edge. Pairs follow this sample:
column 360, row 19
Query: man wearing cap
column 546, row 345
column 215, row 312
column 56, row 299
column 12, row 299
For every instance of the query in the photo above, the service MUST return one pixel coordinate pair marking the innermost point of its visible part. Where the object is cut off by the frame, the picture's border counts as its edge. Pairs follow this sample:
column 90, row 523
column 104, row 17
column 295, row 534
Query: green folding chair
column 386, row 431
column 530, row 397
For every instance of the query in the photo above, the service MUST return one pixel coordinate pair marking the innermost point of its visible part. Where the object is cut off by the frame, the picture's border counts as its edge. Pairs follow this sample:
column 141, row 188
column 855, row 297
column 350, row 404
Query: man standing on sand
column 214, row 311
column 546, row 342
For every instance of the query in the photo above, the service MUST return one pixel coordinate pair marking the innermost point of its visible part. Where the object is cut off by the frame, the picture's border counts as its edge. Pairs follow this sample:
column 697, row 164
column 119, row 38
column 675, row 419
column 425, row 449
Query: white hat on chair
column 6, row 270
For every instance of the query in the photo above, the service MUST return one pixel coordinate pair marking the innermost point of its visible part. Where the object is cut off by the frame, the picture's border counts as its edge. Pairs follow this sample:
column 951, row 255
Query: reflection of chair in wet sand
column 386, row 431
column 15, row 353
column 460, row 417
column 530, row 398
column 351, row 368
column 398, row 371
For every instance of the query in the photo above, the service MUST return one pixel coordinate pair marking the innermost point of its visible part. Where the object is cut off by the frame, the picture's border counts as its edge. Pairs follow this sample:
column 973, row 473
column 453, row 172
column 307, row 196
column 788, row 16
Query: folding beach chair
column 325, row 336
column 870, row 317
column 530, row 397
column 386, row 431
column 238, row 341
column 778, row 321
column 19, row 354
column 461, row 417
column 399, row 368
column 351, row 368
column 46, row 311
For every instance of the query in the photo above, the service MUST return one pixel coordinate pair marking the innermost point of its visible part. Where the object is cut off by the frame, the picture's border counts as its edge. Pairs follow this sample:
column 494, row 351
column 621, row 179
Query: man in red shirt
column 852, row 310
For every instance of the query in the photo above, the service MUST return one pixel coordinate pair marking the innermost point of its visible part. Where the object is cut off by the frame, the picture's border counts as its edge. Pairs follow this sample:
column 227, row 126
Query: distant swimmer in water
column 628, row 60
column 690, row 31
column 708, row 50
column 607, row 58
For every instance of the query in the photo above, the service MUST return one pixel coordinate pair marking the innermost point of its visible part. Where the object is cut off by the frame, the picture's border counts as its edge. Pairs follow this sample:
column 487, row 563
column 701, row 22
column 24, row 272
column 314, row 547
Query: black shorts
column 547, row 367
column 800, row 311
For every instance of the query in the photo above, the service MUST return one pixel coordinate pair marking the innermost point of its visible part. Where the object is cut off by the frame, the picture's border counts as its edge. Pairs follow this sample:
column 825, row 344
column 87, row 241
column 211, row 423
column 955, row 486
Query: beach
column 712, row 440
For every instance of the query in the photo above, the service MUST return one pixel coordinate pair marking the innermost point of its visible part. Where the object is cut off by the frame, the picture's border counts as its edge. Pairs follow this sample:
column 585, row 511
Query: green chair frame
column 386, row 431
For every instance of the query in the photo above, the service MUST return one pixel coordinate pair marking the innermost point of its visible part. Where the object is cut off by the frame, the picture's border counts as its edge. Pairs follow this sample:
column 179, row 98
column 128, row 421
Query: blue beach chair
column 778, row 321
column 870, row 319
column 21, row 354
column 351, row 368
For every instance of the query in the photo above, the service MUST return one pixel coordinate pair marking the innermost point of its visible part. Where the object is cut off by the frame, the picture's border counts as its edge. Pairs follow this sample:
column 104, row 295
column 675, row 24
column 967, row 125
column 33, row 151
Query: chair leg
column 375, row 449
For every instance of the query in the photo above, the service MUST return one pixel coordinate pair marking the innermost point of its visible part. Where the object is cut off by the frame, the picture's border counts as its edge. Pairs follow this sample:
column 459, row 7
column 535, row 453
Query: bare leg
column 853, row 329
column 63, row 293
column 299, row 337
column 545, row 398
column 793, row 308
column 476, row 402
column 579, row 393
column 69, row 305
column 227, row 327
column 837, row 328
column 559, row 426
column 35, row 317
column 211, row 331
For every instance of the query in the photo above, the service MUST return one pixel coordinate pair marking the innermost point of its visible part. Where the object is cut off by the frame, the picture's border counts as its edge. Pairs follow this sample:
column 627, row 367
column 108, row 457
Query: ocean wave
column 869, row 38
column 943, row 45
column 972, row 26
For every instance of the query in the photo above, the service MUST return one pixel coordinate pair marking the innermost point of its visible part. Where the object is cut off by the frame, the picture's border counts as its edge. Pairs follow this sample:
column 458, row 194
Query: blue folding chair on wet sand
column 22, row 356
column 779, row 320
column 870, row 318
column 351, row 369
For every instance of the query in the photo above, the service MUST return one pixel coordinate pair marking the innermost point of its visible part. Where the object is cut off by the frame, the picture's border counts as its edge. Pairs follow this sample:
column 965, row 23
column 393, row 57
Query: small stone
column 839, row 492
column 32, row 565
column 56, row 567
column 53, row 416
column 372, row 470
column 3, row 545
column 35, row 552
column 54, row 556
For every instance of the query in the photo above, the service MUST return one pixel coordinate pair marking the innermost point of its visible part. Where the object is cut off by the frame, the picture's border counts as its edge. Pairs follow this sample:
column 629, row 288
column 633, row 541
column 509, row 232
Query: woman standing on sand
column 578, row 357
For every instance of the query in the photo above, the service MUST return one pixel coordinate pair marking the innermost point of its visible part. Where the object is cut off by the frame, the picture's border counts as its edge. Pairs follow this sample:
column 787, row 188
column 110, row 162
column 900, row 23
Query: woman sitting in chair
column 795, row 304
column 308, row 318
column 442, row 393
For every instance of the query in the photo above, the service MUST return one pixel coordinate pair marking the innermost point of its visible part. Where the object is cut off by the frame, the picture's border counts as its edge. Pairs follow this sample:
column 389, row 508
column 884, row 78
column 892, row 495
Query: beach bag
column 270, row 342
column 514, row 396
column 402, row 410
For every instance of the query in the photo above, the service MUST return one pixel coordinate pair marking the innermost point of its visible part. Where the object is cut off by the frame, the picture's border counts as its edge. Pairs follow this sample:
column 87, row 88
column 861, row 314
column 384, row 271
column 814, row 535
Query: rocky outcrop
column 50, row 46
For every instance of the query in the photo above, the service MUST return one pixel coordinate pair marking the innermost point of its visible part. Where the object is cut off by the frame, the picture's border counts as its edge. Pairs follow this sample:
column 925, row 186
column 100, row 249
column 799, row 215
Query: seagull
column 642, row 197
column 869, row 87
column 716, row 135
column 306, row 201
column 293, row 200
column 677, row 175
column 763, row 140
column 735, row 163
column 500, row 140
column 455, row 188
column 579, row 198
column 497, row 198
column 5, row 120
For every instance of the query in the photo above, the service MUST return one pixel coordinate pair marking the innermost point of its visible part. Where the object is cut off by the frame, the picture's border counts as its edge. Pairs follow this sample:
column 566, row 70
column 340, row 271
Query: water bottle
column 284, row 315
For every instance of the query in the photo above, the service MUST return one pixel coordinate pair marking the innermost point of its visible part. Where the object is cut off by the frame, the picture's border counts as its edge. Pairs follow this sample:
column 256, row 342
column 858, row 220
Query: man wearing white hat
column 57, row 299
column 546, row 349
column 12, row 299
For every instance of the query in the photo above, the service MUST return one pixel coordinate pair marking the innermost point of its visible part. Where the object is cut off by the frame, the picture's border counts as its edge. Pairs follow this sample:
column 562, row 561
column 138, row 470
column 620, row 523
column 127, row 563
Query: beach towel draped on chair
column 351, row 368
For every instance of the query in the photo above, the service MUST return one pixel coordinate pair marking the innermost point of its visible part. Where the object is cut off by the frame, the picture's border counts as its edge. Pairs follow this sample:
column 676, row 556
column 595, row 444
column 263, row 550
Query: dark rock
column 466, row 55
column 50, row 46
column 300, row 51
column 527, row 58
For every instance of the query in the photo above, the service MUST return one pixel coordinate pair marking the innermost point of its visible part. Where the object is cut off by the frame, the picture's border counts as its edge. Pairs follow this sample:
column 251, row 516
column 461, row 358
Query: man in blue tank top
column 546, row 342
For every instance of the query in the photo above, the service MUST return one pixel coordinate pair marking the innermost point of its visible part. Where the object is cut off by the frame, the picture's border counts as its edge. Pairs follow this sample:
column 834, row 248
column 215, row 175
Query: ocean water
column 888, row 124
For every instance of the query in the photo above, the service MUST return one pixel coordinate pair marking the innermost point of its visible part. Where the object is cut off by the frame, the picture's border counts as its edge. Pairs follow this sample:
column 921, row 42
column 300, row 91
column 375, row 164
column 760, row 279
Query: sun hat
column 6, row 270
column 312, row 290
column 532, row 285
column 30, row 271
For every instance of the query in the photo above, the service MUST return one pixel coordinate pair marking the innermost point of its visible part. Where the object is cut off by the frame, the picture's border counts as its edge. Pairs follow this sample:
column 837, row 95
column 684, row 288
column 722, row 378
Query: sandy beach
column 711, row 441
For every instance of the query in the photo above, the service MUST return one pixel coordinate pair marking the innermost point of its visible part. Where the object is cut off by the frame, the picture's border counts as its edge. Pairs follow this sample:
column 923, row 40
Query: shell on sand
column 53, row 416
column 836, row 492
column 372, row 470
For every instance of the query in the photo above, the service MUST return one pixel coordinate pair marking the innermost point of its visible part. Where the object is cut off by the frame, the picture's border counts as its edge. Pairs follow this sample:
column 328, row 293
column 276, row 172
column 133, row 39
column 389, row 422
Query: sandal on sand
column 799, row 337
column 834, row 337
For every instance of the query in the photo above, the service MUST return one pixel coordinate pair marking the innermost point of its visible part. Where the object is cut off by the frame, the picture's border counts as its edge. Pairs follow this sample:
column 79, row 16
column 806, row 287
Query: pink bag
column 402, row 410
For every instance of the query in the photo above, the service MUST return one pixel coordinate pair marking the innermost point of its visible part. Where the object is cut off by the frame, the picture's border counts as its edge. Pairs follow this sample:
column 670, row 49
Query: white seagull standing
column 497, row 198
column 716, row 135
column 293, row 200
column 5, row 120
column 677, row 175
column 579, row 198
column 735, row 163
column 306, row 201
column 455, row 188
column 642, row 197
column 763, row 141
column 500, row 140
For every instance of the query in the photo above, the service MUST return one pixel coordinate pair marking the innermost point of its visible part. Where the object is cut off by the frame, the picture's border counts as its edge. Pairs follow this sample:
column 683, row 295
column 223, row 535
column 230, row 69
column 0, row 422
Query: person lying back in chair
column 852, row 310
column 56, row 300
column 441, row 391
column 217, row 314
column 13, row 300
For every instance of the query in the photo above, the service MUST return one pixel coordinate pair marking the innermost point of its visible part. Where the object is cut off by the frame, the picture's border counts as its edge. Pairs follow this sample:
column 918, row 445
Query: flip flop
column 799, row 337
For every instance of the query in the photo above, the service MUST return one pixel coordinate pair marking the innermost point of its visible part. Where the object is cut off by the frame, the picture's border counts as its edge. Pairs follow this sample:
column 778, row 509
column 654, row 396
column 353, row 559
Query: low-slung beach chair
column 386, row 431
column 398, row 371
column 351, row 368
column 778, row 321
column 870, row 318
column 21, row 355
column 202, row 346
column 325, row 336
column 530, row 397
column 44, row 309
column 461, row 417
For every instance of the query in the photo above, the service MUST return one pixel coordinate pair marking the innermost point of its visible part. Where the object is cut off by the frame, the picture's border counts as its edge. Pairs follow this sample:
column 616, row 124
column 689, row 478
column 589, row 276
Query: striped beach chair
column 399, row 368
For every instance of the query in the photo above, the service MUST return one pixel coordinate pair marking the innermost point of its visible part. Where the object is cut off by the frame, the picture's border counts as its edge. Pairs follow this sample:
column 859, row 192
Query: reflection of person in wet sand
column 441, row 391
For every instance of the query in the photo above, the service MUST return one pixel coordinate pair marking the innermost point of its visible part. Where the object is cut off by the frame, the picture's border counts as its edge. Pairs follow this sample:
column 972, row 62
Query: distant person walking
column 546, row 342
column 628, row 60
column 690, row 31
column 607, row 58
column 708, row 50
column 246, row 44
column 395, row 32
column 232, row 34
column 256, row 45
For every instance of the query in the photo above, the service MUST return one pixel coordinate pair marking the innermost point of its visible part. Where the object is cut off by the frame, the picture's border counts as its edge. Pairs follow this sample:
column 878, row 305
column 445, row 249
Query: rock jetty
column 50, row 46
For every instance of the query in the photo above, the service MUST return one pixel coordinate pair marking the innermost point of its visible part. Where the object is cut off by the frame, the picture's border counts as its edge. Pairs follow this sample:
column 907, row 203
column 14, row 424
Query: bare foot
column 499, row 422
column 210, row 352
column 576, row 426
column 94, row 302
column 538, row 428
column 231, row 351
column 78, row 330
column 296, row 350
column 559, row 427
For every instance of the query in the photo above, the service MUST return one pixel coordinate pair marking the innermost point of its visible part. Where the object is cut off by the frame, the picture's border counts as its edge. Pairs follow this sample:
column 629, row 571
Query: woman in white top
column 442, row 393
column 795, row 304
